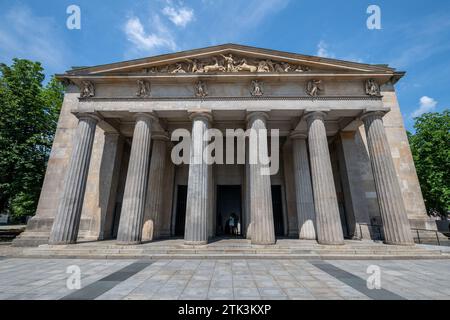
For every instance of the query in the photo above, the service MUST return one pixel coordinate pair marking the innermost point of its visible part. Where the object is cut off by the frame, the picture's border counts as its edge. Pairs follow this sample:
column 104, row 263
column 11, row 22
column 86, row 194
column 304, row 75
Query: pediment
column 231, row 58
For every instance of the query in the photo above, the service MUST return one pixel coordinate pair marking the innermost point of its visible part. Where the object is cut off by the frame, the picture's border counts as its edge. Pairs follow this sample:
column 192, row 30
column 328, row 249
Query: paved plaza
column 223, row 279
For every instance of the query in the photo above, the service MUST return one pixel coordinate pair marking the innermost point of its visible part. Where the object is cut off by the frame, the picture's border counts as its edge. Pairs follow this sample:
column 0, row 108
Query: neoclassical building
column 345, row 172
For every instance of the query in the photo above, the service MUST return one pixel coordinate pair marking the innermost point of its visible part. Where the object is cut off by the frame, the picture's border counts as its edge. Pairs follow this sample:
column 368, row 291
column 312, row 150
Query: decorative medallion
column 201, row 90
column 313, row 87
column 144, row 89
column 257, row 88
column 87, row 90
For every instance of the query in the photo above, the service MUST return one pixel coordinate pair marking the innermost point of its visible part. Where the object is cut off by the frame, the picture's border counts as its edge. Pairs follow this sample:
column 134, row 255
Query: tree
column 29, row 114
column 430, row 146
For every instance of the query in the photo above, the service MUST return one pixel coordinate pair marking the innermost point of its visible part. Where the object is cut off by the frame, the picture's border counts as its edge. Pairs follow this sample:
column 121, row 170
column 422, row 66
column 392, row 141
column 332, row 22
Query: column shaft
column 303, row 189
column 67, row 219
column 132, row 215
column 262, row 230
column 396, row 225
column 328, row 222
column 197, row 207
column 155, row 188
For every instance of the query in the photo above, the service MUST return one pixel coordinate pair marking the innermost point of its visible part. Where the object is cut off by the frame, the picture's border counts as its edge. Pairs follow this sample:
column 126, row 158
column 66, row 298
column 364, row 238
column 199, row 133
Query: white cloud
column 179, row 16
column 28, row 36
column 322, row 50
column 427, row 104
column 142, row 41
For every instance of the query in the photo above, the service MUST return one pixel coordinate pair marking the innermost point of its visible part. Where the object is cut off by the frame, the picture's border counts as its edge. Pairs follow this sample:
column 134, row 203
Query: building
column 345, row 172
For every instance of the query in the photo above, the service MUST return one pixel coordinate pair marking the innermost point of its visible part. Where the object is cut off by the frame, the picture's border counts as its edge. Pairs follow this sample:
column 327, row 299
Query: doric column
column 67, row 219
column 303, row 188
column 197, row 213
column 155, row 187
column 132, row 215
column 260, row 187
column 393, row 214
column 328, row 222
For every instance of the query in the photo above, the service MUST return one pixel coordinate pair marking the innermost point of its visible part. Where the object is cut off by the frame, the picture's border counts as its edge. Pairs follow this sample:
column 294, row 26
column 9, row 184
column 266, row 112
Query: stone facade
column 346, row 170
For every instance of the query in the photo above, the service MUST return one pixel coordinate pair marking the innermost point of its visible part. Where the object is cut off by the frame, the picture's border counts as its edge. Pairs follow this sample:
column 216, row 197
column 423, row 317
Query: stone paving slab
column 240, row 279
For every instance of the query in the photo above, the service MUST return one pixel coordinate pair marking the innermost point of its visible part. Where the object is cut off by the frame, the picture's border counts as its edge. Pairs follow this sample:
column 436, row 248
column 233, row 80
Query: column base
column 307, row 238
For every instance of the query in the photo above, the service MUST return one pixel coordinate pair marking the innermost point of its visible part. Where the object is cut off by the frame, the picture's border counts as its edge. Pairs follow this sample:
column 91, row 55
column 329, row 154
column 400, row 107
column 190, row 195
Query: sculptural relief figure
column 87, row 90
column 201, row 90
column 229, row 63
column 244, row 66
column 179, row 69
column 143, row 89
column 313, row 87
column 302, row 68
column 196, row 66
column 263, row 66
column 214, row 67
column 257, row 89
column 372, row 88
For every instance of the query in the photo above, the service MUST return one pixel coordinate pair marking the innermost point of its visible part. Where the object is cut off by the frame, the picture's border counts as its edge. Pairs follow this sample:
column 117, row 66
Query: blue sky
column 415, row 35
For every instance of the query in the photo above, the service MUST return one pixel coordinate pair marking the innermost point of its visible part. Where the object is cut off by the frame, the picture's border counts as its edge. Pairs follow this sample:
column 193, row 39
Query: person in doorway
column 232, row 224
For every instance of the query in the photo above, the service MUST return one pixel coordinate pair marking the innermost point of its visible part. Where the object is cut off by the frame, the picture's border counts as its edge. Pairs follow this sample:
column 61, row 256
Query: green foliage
column 430, row 146
column 29, row 114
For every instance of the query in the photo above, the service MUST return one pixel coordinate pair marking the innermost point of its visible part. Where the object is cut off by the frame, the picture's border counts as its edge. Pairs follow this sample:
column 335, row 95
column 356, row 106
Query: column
column 248, row 216
column 132, row 215
column 197, row 213
column 260, row 187
column 393, row 214
column 303, row 189
column 328, row 222
column 155, row 187
column 67, row 219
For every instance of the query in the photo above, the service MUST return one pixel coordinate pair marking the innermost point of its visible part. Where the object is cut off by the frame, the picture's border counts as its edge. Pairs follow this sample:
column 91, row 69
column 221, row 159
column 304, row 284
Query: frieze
column 228, row 64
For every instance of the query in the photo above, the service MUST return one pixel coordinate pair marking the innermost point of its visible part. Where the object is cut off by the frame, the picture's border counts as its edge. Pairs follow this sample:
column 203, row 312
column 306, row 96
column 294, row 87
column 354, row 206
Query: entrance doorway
column 229, row 211
column 277, row 206
column 180, row 217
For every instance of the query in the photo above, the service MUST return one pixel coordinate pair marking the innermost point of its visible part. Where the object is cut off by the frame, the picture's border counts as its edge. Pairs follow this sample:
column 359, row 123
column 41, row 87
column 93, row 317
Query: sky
column 414, row 35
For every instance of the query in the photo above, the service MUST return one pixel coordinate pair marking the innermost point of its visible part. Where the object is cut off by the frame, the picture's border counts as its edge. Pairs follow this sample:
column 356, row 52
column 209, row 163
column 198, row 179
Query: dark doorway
column 180, row 219
column 116, row 220
column 229, row 211
column 277, row 206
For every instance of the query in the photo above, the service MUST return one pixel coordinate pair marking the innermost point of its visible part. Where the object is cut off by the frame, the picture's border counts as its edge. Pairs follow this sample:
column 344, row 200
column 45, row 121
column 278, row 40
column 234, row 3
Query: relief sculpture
column 228, row 63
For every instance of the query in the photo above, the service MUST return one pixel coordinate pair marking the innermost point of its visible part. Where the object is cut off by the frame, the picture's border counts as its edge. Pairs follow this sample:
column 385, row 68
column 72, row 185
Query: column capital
column 200, row 114
column 379, row 114
column 298, row 135
column 251, row 115
column 314, row 115
column 146, row 116
column 89, row 116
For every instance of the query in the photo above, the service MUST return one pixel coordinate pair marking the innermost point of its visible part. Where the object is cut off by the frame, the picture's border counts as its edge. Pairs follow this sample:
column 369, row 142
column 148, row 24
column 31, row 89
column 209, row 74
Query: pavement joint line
column 356, row 282
column 97, row 288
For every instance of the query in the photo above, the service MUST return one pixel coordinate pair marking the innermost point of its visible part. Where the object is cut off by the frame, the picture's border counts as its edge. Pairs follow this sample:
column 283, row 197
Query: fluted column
column 260, row 187
column 197, row 213
column 328, row 222
column 132, row 215
column 67, row 220
column 303, row 188
column 155, row 187
column 396, row 225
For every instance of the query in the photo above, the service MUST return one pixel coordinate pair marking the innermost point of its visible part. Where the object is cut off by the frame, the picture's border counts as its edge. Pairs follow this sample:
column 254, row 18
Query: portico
column 339, row 130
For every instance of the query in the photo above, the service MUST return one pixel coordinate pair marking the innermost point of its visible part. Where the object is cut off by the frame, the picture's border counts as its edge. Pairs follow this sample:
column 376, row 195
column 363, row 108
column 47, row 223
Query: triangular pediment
column 231, row 58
